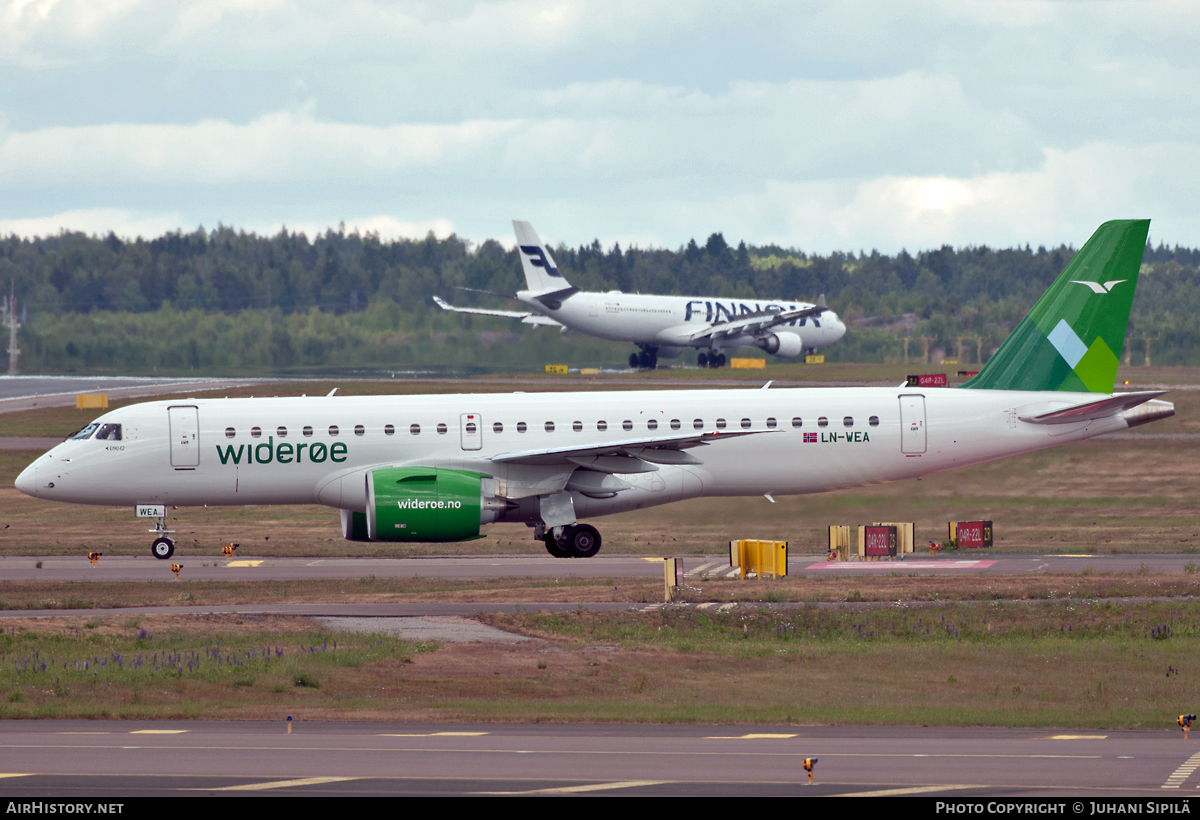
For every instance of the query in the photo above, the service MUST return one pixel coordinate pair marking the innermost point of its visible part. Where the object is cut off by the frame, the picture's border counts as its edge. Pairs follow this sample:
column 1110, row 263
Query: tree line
column 228, row 299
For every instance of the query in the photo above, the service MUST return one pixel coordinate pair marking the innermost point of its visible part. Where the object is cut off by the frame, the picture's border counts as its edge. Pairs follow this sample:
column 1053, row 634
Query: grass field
column 1068, row 664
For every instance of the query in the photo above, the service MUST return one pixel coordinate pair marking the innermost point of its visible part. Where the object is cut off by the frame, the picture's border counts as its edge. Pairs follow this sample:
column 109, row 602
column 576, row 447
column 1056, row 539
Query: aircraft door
column 912, row 424
column 471, row 425
column 185, row 437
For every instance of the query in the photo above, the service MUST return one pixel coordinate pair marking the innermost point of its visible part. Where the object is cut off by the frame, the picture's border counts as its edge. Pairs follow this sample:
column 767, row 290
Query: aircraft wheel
column 633, row 361
column 721, row 360
column 583, row 540
column 702, row 359
column 162, row 548
column 554, row 549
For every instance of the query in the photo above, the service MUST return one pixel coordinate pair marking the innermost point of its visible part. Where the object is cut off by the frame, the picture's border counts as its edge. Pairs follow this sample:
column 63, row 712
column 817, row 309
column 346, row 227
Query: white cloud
column 94, row 222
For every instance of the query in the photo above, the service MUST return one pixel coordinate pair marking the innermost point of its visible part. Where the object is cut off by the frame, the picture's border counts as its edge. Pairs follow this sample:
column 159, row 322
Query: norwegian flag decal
column 810, row 438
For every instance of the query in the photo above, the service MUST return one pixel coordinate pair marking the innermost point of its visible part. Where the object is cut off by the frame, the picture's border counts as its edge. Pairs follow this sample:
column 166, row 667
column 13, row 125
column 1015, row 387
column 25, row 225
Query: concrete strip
column 430, row 628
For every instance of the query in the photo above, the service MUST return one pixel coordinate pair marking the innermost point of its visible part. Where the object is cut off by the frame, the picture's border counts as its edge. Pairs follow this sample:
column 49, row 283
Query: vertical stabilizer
column 541, row 274
column 1072, row 338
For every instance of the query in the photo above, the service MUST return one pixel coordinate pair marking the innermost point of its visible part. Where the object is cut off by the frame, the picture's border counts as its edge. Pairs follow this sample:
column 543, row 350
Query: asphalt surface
column 264, row 568
column 109, row 759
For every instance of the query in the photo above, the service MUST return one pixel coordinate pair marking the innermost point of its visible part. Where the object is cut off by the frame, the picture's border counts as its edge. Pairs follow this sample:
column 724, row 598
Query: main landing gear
column 711, row 359
column 577, row 541
column 646, row 360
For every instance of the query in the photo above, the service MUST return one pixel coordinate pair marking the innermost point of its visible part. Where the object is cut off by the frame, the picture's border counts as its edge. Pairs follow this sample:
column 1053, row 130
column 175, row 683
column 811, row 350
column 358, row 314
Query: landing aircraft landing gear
column 578, row 541
column 711, row 359
column 646, row 360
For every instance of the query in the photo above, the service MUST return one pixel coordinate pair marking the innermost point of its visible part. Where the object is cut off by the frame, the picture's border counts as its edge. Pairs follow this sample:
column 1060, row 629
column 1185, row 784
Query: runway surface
column 264, row 568
column 106, row 759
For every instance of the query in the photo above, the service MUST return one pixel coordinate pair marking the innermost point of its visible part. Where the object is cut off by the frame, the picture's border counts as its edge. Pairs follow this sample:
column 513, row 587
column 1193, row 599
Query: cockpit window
column 86, row 432
column 109, row 432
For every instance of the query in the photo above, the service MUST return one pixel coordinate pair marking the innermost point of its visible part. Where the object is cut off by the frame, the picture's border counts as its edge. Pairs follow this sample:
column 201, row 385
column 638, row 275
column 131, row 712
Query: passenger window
column 745, row 424
column 520, row 427
column 549, row 427
column 307, row 431
column 720, row 424
column 698, row 424
column 873, row 421
column 230, row 432
column 675, row 424
column 359, row 430
column 497, row 428
column 602, row 426
column 470, row 428
column 797, row 422
column 281, row 431
column 577, row 426
column 771, row 423
column 388, row 430
column 652, row 424
column 333, row 430
column 822, row 422
column 255, row 432
column 109, row 432
column 441, row 428
column 415, row 429
column 627, row 425
column 848, row 421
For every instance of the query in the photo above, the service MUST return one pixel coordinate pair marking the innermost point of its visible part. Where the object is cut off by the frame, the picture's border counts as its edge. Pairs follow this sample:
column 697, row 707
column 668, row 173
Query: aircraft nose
column 27, row 480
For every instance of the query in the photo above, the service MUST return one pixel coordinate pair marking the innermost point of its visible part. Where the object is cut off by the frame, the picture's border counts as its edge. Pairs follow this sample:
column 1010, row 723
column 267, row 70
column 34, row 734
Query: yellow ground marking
column 912, row 790
column 1075, row 737
column 244, row 564
column 441, row 734
column 594, row 787
column 1183, row 772
column 1070, row 556
column 81, row 733
column 159, row 732
column 278, row 784
column 16, row 774
column 653, row 560
column 750, row 737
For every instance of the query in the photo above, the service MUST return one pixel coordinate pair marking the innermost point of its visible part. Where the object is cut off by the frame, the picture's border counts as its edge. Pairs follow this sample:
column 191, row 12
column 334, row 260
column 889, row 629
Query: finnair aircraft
column 663, row 325
column 438, row 468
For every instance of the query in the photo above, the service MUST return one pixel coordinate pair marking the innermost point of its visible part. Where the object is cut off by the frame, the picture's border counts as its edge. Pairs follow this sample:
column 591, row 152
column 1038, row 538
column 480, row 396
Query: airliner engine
column 424, row 504
column 782, row 344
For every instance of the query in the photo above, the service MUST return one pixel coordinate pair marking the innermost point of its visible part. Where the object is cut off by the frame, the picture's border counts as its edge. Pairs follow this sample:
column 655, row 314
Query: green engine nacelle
column 428, row 504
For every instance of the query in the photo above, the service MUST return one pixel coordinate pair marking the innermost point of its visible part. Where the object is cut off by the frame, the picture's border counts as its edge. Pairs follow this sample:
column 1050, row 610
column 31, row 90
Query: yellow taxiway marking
column 1075, row 737
column 654, row 560
column 1070, row 556
column 244, row 564
column 441, row 734
column 912, row 790
column 159, row 732
column 278, row 784
column 750, row 737
column 1183, row 772
column 16, row 774
column 593, row 787
column 81, row 733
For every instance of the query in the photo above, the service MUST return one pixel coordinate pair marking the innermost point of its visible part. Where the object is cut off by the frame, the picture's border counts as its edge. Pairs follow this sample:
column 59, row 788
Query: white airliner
column 436, row 468
column 663, row 325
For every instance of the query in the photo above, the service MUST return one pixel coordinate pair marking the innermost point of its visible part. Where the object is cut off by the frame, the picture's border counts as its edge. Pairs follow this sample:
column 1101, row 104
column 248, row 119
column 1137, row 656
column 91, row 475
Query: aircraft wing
column 528, row 317
column 754, row 323
column 631, row 455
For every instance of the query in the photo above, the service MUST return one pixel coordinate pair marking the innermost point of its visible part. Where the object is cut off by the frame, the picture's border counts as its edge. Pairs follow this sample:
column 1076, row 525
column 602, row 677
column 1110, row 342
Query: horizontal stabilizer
column 1092, row 409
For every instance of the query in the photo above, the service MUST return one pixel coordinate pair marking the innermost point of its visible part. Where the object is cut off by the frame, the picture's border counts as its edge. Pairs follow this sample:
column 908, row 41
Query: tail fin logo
column 537, row 258
column 1099, row 288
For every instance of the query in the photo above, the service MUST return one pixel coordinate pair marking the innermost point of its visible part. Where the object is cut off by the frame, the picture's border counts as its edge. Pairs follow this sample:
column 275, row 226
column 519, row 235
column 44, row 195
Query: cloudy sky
column 820, row 125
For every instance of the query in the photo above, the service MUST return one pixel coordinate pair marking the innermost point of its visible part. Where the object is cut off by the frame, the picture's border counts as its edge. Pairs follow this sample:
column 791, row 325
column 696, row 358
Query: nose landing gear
column 163, row 547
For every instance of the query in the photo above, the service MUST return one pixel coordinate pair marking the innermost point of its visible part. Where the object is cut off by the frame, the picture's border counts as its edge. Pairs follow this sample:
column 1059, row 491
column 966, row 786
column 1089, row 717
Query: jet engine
column 425, row 504
column 782, row 344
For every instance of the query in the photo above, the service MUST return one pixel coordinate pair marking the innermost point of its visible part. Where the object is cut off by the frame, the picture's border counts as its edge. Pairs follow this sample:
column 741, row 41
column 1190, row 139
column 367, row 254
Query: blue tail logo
column 537, row 258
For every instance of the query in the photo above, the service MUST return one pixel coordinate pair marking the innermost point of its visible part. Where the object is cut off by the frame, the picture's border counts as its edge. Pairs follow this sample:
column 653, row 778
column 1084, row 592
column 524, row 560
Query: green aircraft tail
column 1072, row 338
